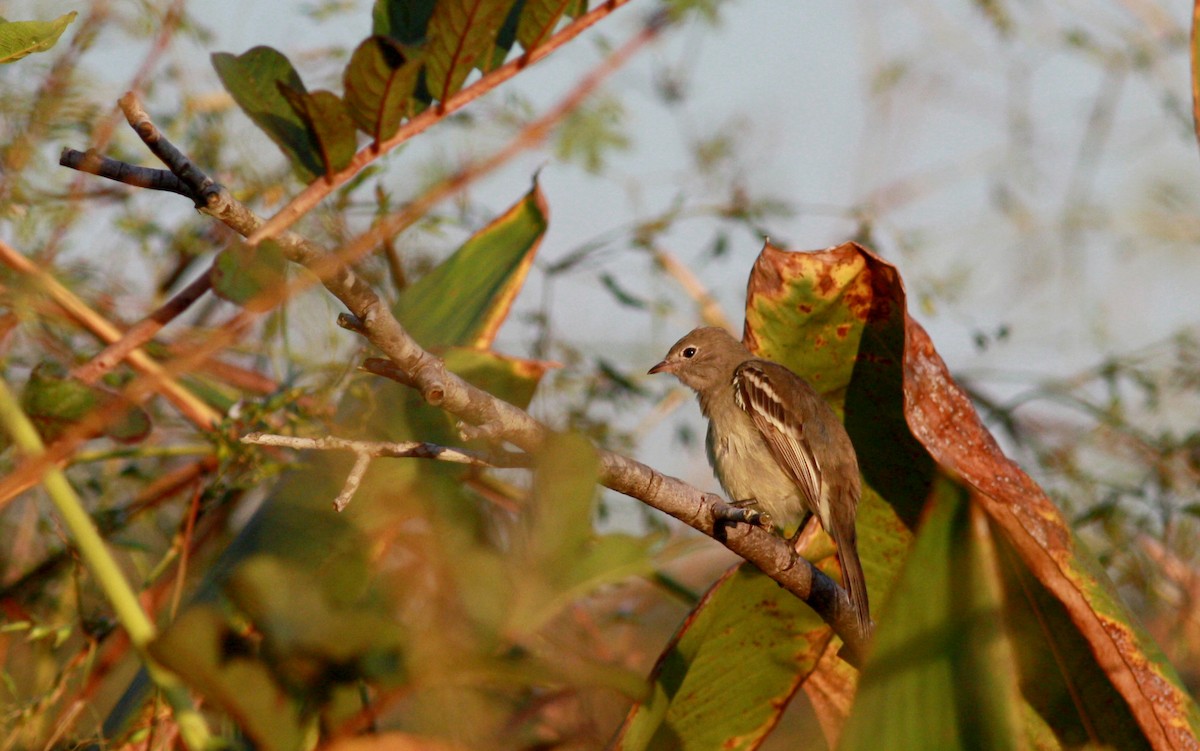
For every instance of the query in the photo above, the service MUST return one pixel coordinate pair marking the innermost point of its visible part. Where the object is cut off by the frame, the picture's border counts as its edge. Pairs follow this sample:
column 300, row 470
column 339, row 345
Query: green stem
column 141, row 452
column 107, row 573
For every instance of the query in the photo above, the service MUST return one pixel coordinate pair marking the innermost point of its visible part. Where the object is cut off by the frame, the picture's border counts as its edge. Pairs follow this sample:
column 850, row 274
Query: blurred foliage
column 535, row 655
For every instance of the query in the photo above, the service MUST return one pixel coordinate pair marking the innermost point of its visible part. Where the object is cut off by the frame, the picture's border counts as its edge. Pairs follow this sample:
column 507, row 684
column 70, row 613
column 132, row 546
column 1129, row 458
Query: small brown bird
column 774, row 443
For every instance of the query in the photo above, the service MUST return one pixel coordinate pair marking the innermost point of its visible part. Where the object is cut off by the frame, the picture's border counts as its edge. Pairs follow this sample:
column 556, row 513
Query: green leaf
column 505, row 38
column 1067, row 690
column 210, row 656
column 55, row 402
column 253, row 79
column 402, row 20
column 243, row 274
column 564, row 492
column 380, row 81
column 465, row 299
column 839, row 317
column 538, row 21
column 329, row 125
column 942, row 670
column 21, row 38
column 131, row 427
column 310, row 641
column 722, row 683
column 460, row 33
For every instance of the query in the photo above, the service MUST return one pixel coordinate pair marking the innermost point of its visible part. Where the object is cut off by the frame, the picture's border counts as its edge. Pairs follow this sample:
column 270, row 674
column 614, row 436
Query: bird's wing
column 770, row 394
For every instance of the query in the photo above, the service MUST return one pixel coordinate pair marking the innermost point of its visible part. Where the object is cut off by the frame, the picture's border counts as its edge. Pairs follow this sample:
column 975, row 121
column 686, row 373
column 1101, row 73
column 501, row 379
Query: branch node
column 383, row 367
column 435, row 394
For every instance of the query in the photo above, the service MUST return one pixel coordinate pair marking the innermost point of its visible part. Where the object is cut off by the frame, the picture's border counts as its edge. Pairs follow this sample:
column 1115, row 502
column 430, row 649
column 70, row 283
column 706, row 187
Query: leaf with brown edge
column 809, row 311
column 464, row 300
column 850, row 294
column 830, row 690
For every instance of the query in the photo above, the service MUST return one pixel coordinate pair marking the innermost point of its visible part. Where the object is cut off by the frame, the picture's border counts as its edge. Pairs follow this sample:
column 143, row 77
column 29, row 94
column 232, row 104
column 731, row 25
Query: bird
column 775, row 443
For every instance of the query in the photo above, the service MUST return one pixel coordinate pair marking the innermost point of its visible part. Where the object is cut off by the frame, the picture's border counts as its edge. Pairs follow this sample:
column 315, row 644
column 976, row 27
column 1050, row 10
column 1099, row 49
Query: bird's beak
column 666, row 366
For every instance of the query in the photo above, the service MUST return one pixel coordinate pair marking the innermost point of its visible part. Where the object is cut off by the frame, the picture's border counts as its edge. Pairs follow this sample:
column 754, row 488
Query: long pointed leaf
column 463, row 301
column 941, row 673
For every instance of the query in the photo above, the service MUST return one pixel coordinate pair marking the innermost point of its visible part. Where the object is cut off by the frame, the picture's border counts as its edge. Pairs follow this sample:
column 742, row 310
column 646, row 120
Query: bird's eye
column 689, row 352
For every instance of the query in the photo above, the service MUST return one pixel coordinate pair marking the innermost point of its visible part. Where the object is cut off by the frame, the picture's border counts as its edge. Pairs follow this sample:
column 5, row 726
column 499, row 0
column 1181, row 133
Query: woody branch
column 483, row 415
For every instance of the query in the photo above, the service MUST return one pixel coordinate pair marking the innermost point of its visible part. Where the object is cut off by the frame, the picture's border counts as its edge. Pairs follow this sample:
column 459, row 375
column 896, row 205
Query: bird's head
column 704, row 358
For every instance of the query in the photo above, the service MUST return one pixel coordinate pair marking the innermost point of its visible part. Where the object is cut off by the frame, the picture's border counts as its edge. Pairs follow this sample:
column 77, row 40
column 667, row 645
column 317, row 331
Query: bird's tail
column 853, row 579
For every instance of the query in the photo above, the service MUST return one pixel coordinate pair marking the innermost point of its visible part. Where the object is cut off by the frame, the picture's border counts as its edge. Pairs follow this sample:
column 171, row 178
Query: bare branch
column 113, row 169
column 184, row 400
column 362, row 461
column 180, row 165
column 710, row 310
column 144, row 330
column 392, row 449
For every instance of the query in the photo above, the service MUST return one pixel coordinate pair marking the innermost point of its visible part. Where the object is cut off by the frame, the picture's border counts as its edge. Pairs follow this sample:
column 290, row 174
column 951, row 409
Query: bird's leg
column 795, row 538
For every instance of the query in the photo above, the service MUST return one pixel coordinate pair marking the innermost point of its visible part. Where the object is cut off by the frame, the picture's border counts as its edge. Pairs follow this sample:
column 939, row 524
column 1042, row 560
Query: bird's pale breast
column 746, row 469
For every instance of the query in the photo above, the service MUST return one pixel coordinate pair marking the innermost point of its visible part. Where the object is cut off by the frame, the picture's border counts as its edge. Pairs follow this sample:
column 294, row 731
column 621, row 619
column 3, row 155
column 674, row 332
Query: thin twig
column 144, row 330
column 710, row 309
column 107, row 574
column 1194, row 48
column 320, row 188
column 191, row 406
column 362, row 461
column 365, row 451
column 392, row 449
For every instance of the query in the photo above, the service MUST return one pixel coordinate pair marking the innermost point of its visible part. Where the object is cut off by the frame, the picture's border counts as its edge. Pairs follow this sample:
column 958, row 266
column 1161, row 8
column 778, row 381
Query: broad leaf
column 402, row 20
column 1084, row 670
column 941, row 673
column 556, row 557
column 734, row 663
column 253, row 79
column 329, row 125
column 380, row 81
column 21, row 38
column 246, row 275
column 852, row 298
column 313, row 641
column 464, row 300
column 55, row 402
column 202, row 648
column 538, row 21
column 460, row 33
